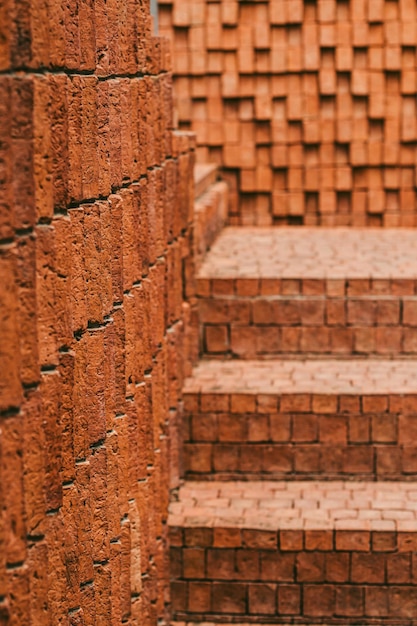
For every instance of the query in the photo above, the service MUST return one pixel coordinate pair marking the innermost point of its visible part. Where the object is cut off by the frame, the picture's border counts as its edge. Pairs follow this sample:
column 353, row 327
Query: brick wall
column 309, row 106
column 95, row 210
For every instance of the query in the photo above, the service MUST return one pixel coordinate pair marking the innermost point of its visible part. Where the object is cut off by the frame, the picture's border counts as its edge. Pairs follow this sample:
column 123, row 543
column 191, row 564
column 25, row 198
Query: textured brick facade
column 309, row 107
column 95, row 213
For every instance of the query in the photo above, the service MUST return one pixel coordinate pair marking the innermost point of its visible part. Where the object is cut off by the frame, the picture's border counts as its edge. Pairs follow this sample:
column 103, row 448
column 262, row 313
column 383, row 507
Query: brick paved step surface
column 267, row 623
column 300, row 552
column 266, row 291
column 320, row 418
column 205, row 175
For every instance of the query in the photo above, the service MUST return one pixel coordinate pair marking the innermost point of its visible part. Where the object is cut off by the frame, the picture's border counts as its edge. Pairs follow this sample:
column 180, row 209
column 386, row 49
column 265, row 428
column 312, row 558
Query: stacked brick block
column 309, row 107
column 297, row 436
column 95, row 211
column 322, row 291
column 356, row 573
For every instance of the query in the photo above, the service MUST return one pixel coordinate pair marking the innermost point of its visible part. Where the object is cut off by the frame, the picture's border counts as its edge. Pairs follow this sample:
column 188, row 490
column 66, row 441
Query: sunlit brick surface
column 311, row 253
column 310, row 505
column 363, row 377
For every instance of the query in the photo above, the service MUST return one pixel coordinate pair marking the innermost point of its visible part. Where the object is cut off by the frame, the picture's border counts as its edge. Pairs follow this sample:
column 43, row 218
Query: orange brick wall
column 310, row 107
column 95, row 212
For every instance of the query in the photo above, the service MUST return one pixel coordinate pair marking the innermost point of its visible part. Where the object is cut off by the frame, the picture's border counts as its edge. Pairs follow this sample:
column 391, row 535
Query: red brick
column 199, row 597
column 277, row 567
column 220, row 564
column 228, row 598
column 368, row 568
column 337, row 566
column 353, row 540
column 262, row 599
column 318, row 601
column 227, row 537
column 310, row 567
column 259, row 539
column 289, row 600
column 349, row 601
column 247, row 565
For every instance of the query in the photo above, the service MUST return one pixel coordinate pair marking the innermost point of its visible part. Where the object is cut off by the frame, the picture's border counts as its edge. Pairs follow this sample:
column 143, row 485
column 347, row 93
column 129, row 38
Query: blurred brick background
column 95, row 213
column 309, row 106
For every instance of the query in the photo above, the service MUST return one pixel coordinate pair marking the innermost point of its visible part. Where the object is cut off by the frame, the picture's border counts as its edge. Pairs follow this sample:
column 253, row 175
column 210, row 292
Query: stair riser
column 298, row 437
column 295, row 574
column 252, row 327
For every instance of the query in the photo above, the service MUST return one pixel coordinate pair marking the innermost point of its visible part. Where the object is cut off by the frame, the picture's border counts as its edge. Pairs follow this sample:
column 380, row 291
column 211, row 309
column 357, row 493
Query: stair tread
column 297, row 376
column 297, row 505
column 312, row 253
column 205, row 174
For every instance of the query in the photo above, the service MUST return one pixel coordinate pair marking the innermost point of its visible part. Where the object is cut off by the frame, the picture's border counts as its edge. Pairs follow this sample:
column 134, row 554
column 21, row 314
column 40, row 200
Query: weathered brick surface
column 309, row 107
column 96, row 200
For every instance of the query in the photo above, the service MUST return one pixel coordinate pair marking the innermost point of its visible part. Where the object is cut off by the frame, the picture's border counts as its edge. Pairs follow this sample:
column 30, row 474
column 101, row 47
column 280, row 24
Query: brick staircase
column 299, row 503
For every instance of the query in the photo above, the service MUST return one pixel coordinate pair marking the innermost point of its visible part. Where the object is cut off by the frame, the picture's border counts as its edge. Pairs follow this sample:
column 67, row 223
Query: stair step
column 292, row 418
column 205, row 175
column 295, row 551
column 266, row 291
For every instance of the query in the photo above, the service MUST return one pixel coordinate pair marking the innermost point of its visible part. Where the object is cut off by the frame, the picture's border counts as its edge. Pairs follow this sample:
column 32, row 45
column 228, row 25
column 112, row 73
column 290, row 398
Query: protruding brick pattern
column 309, row 107
column 302, row 551
column 318, row 291
column 293, row 419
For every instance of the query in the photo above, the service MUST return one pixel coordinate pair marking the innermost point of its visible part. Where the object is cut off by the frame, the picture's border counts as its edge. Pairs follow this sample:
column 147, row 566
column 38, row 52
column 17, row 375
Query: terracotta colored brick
column 304, row 428
column 199, row 597
column 225, row 458
column 197, row 537
column 402, row 601
column 227, row 537
column 247, row 565
column 350, row 601
column 277, row 567
column 289, row 600
column 262, row 599
column 194, row 563
column 216, row 403
column 310, row 567
column 337, row 566
column 228, row 598
column 318, row 601
column 384, row 542
column 368, row 568
column 220, row 564
column 259, row 539
column 318, row 540
column 216, row 339
column 242, row 403
column 351, row 540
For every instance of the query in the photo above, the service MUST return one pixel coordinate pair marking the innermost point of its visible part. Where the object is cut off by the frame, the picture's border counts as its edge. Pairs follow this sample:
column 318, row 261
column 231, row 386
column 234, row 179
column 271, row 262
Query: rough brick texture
column 309, row 107
column 95, row 212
